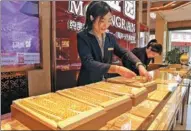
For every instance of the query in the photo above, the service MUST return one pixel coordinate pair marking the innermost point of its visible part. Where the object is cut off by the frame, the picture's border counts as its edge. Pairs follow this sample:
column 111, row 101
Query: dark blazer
column 94, row 67
column 141, row 54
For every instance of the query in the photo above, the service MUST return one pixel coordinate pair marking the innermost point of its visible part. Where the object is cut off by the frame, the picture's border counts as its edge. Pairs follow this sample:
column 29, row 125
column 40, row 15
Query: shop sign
column 121, row 23
column 130, row 9
column 77, row 8
column 114, row 5
column 181, row 37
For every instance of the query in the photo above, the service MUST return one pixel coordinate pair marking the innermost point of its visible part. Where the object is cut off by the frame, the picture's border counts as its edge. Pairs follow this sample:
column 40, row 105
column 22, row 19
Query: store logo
column 129, row 9
column 114, row 5
column 76, row 7
column 121, row 23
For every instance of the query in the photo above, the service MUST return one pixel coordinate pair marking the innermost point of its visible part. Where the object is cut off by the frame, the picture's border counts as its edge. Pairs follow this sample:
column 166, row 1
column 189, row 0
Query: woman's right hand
column 125, row 72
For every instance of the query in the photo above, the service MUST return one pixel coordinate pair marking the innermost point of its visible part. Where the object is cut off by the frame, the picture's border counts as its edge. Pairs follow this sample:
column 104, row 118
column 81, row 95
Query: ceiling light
column 153, row 15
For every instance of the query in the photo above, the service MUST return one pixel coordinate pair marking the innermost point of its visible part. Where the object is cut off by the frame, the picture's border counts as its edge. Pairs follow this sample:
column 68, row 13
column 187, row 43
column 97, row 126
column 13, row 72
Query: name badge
column 110, row 48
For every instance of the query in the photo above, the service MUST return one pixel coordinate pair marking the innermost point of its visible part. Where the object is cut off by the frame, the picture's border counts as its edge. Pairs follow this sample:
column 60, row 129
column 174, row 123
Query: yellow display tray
column 126, row 119
column 93, row 98
column 138, row 82
column 144, row 109
column 12, row 124
column 137, row 94
column 115, row 106
column 158, row 95
column 43, row 117
column 163, row 81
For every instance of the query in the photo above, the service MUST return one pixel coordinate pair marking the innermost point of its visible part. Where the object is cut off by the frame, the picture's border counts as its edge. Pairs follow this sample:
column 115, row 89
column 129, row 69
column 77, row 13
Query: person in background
column 96, row 48
column 146, row 54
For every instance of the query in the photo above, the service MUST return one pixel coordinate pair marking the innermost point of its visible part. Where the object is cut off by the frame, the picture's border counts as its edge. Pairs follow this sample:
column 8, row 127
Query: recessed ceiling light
column 153, row 15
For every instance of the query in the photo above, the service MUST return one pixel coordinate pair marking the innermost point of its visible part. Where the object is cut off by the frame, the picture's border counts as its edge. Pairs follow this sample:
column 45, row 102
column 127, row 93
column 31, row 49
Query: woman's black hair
column 155, row 46
column 151, row 42
column 95, row 9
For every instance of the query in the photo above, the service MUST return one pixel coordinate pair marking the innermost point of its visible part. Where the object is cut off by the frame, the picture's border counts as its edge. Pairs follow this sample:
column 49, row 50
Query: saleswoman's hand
column 144, row 72
column 125, row 72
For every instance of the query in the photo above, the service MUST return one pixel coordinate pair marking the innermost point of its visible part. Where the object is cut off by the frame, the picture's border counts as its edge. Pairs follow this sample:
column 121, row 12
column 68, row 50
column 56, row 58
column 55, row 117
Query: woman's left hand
column 144, row 72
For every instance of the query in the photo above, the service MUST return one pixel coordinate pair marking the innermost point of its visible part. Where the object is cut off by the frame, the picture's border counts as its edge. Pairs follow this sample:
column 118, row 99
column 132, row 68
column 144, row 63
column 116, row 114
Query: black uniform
column 94, row 65
column 141, row 54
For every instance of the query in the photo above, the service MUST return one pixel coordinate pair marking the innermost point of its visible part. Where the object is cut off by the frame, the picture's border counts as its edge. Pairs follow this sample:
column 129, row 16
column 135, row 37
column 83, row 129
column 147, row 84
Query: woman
column 146, row 54
column 95, row 47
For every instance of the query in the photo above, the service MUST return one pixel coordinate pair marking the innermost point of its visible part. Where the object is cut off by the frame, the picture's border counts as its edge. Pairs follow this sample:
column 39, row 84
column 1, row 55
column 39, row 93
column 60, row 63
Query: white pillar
column 140, row 2
column 148, row 20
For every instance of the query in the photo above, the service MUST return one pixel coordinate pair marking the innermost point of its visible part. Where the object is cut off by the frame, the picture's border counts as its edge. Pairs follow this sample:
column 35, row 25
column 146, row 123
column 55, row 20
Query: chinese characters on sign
column 129, row 7
column 77, row 8
column 70, row 18
column 75, row 26
column 20, row 44
column 181, row 37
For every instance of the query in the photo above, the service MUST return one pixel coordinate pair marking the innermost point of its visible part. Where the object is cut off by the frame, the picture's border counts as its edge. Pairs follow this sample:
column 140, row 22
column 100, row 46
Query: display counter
column 114, row 104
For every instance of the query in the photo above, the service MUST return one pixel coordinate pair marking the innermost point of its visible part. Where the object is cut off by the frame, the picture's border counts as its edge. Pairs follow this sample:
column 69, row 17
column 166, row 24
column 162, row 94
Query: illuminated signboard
column 19, row 33
column 70, row 19
column 78, row 8
column 181, row 37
